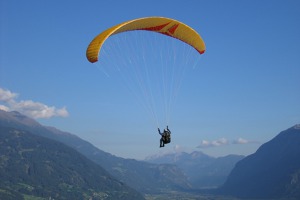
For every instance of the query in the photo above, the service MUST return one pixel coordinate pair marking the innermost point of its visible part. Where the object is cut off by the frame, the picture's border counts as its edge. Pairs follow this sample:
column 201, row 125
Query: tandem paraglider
column 152, row 77
column 165, row 137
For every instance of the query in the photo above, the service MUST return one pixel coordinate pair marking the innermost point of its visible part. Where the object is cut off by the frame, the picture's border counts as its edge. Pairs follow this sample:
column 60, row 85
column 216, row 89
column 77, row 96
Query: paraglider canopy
column 166, row 26
column 152, row 68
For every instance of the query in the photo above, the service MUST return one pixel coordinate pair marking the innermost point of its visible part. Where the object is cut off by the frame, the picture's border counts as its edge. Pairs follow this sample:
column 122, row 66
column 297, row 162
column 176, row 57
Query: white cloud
column 214, row 143
column 241, row 141
column 219, row 142
column 3, row 107
column 205, row 143
column 244, row 141
column 7, row 96
column 28, row 107
column 222, row 142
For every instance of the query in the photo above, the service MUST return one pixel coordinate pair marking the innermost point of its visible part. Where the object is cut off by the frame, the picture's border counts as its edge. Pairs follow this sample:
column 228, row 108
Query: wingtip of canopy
column 201, row 52
column 92, row 60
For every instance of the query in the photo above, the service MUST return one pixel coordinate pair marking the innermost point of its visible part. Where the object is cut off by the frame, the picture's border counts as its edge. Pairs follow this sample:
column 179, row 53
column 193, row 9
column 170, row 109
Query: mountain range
column 140, row 175
column 145, row 176
column 272, row 172
column 202, row 171
column 32, row 167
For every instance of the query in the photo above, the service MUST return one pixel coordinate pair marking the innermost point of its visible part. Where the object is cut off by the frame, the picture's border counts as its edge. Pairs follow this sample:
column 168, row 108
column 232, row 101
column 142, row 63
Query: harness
column 167, row 137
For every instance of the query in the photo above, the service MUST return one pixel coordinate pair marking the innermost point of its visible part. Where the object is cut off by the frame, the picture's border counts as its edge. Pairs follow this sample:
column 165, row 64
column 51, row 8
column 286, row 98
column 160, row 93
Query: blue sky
column 244, row 90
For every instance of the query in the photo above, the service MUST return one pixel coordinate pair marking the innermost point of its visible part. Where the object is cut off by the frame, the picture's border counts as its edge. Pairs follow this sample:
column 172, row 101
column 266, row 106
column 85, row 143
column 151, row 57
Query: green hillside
column 33, row 166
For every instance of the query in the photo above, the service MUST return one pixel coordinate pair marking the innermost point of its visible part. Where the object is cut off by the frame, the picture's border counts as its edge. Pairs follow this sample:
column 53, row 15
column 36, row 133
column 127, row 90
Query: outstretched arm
column 159, row 131
column 168, row 129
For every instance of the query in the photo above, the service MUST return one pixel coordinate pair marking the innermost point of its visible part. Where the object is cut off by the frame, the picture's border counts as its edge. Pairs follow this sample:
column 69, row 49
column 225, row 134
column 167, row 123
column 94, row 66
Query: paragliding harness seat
column 167, row 137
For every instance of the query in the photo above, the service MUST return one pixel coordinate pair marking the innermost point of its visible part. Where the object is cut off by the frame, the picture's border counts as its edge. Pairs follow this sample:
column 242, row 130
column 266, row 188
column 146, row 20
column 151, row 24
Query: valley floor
column 185, row 196
column 175, row 195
